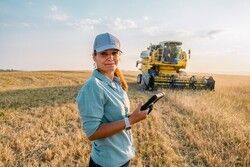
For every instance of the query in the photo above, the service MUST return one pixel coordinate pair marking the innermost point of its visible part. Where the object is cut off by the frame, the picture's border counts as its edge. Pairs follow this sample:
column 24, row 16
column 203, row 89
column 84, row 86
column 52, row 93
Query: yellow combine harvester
column 161, row 66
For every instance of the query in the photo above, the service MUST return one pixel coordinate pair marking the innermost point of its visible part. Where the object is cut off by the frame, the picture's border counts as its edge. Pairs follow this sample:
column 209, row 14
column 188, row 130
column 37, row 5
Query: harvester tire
column 139, row 79
column 210, row 83
column 151, row 83
column 192, row 83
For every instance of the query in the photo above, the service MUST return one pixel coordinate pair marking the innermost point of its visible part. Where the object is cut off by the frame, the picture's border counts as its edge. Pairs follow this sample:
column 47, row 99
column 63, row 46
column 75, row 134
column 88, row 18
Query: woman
column 104, row 107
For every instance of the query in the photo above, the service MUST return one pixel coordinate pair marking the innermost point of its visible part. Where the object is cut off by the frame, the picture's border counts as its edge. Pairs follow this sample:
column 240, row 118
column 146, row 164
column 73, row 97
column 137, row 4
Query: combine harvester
column 161, row 67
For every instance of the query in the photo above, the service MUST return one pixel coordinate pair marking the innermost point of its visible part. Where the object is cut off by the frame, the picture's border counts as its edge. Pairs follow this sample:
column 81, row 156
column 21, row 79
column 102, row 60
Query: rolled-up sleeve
column 90, row 101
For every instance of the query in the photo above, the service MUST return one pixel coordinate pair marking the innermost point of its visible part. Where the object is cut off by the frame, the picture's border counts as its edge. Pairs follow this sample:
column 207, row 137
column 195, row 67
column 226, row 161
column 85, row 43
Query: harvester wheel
column 210, row 83
column 139, row 78
column 192, row 83
column 172, row 83
column 151, row 83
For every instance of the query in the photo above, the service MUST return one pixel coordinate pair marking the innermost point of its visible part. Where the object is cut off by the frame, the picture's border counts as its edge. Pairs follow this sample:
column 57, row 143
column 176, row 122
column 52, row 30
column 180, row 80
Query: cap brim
column 106, row 47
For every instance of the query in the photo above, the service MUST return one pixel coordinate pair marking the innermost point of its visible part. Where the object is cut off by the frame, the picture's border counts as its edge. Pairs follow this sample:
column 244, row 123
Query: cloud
column 85, row 24
column 153, row 30
column 29, row 2
column 208, row 34
column 214, row 32
column 5, row 25
column 53, row 8
column 116, row 24
column 121, row 24
column 24, row 25
column 145, row 18
column 163, row 30
column 57, row 15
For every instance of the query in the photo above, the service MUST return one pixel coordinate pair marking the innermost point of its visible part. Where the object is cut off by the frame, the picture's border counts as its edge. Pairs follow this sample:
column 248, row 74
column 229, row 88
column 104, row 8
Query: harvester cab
column 161, row 65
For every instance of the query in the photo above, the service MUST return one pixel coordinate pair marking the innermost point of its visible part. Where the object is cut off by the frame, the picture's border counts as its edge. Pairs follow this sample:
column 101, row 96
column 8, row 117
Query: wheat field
column 40, row 124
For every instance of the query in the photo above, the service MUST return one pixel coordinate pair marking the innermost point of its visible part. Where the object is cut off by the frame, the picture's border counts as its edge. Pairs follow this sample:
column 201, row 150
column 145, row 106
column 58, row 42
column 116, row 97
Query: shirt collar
column 102, row 77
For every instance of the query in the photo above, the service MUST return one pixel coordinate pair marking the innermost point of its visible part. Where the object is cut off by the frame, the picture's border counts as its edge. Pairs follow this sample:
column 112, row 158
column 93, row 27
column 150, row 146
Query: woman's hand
column 109, row 129
column 138, row 115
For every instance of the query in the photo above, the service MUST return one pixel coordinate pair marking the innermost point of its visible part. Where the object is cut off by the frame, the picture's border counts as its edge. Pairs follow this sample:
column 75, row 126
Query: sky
column 59, row 34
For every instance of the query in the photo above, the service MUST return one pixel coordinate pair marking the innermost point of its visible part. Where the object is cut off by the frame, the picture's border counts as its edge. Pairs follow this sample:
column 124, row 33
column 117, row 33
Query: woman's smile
column 109, row 64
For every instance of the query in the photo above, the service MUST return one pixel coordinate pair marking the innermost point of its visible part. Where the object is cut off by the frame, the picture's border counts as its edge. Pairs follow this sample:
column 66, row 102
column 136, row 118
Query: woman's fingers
column 139, row 106
column 138, row 115
column 145, row 111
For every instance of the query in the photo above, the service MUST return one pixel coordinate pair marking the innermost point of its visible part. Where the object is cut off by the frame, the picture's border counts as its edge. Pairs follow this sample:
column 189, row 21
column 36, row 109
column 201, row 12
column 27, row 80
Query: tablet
column 149, row 104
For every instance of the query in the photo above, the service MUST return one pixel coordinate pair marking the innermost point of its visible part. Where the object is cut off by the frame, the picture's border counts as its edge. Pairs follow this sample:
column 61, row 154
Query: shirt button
column 113, row 85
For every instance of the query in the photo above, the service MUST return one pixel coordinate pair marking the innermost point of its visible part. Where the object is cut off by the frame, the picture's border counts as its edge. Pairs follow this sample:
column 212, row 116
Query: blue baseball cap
column 106, row 41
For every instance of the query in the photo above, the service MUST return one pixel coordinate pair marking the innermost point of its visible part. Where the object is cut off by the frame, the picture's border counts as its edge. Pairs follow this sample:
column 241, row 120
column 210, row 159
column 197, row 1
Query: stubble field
column 40, row 124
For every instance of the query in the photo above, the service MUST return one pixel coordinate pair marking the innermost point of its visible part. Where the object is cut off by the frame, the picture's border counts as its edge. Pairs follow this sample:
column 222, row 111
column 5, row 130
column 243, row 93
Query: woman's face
column 107, row 60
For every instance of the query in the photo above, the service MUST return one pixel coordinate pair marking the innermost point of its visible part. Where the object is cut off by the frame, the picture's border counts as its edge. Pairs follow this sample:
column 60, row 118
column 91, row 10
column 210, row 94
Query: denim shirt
column 102, row 100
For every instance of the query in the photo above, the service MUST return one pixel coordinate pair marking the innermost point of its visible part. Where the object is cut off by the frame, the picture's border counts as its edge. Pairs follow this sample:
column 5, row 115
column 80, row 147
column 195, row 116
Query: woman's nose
column 110, row 57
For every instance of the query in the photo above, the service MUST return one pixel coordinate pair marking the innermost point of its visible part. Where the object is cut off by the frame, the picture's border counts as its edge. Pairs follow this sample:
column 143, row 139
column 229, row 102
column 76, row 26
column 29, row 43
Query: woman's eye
column 103, row 53
column 114, row 53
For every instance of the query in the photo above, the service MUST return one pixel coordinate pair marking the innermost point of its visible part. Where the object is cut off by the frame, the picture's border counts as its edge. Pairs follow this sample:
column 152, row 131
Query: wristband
column 127, row 123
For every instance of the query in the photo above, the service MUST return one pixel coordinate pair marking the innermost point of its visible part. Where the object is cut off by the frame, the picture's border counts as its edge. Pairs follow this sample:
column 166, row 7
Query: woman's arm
column 109, row 129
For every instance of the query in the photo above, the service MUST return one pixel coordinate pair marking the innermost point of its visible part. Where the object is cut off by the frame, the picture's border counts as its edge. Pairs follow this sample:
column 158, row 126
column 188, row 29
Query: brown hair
column 120, row 75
